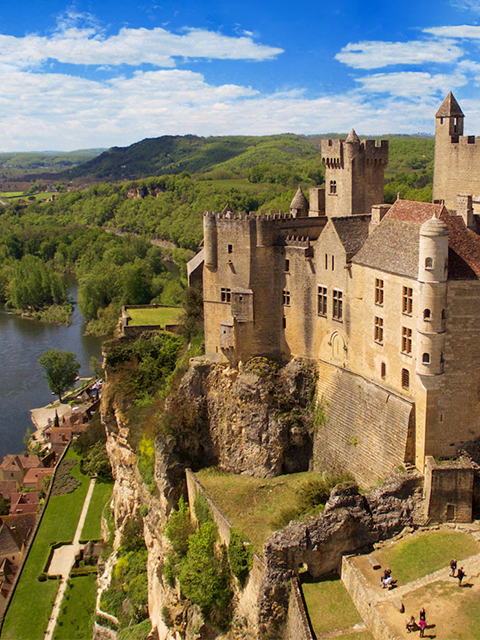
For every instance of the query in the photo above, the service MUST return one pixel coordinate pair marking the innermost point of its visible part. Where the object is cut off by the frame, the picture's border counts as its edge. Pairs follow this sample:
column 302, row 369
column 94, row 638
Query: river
column 22, row 385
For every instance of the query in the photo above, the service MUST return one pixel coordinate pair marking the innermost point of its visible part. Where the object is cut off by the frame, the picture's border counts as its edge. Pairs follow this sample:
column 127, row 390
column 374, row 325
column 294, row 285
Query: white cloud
column 89, row 46
column 409, row 84
column 467, row 5
column 374, row 55
column 464, row 31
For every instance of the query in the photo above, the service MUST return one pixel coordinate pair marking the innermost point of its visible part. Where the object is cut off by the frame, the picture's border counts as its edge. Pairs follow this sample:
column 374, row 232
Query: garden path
column 62, row 562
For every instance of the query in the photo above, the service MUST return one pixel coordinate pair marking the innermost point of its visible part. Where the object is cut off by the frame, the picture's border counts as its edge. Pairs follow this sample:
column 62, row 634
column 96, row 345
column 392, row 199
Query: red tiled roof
column 32, row 475
column 411, row 211
column 8, row 488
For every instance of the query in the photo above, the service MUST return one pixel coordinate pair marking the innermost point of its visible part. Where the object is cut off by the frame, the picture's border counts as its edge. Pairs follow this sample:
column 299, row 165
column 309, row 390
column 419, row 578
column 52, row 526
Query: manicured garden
column 78, row 608
column 101, row 496
column 31, row 606
column 155, row 316
column 330, row 607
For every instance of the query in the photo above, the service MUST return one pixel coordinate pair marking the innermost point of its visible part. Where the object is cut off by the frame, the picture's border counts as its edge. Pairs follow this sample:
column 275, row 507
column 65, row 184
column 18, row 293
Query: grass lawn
column 28, row 614
column 77, row 613
column 137, row 632
column 153, row 316
column 101, row 495
column 253, row 503
column 425, row 552
column 330, row 607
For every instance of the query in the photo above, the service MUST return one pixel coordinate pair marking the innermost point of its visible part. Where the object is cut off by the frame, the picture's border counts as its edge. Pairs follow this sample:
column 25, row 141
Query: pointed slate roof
column 299, row 200
column 449, row 108
column 352, row 137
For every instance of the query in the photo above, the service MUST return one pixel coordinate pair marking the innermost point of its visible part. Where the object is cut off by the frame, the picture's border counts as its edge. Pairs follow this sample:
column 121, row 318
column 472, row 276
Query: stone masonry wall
column 449, row 490
column 365, row 427
column 298, row 626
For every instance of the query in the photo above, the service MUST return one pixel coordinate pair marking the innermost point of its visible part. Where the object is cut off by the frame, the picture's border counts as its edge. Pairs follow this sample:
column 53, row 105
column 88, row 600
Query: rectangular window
column 407, row 301
column 406, row 340
column 326, row 261
column 378, row 330
column 230, row 248
column 337, row 311
column 225, row 294
column 333, row 263
column 322, row 301
column 405, row 378
column 286, row 298
column 287, row 265
column 378, row 291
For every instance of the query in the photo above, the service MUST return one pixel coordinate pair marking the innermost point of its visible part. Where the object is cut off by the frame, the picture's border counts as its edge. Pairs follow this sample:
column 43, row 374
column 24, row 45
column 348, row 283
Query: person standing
column 453, row 567
column 422, row 621
column 460, row 575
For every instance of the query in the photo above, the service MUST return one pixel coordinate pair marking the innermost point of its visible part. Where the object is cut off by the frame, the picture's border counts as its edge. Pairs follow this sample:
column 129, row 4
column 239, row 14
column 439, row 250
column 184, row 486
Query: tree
column 61, row 370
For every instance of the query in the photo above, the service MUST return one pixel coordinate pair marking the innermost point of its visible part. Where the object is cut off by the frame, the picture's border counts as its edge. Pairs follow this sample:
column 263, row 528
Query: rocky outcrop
column 257, row 417
column 351, row 522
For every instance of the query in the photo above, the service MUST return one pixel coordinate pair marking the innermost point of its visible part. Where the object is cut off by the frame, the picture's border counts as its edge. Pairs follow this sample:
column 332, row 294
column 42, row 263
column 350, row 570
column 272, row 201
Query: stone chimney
column 378, row 212
column 465, row 209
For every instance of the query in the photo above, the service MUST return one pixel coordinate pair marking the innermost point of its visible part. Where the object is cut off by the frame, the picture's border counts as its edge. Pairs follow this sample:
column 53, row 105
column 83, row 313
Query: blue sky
column 101, row 73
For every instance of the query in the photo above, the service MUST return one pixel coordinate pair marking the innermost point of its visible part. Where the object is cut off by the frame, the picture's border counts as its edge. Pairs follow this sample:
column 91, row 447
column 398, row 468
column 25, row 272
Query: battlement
column 252, row 215
column 297, row 241
column 335, row 151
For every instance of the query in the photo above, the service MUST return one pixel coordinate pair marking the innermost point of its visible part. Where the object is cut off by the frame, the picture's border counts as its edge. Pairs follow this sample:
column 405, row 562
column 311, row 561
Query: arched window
column 428, row 263
column 426, row 358
column 333, row 186
column 426, row 315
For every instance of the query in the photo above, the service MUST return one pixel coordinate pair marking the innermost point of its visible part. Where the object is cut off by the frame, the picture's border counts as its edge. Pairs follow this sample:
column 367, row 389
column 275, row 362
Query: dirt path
column 62, row 562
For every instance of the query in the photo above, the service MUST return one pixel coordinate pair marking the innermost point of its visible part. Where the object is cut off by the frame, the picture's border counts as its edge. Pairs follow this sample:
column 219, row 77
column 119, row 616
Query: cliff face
column 255, row 420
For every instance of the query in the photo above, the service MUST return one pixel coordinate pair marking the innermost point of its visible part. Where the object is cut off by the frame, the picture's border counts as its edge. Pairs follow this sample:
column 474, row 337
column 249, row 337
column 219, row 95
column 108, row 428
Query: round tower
column 432, row 297
column 210, row 240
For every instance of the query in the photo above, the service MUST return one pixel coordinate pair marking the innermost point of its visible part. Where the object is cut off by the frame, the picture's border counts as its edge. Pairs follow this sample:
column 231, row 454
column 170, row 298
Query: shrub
column 42, row 577
column 240, row 554
column 179, row 528
column 202, row 509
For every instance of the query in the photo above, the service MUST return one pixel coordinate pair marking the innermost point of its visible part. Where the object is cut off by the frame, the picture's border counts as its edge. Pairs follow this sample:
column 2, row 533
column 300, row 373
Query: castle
column 385, row 298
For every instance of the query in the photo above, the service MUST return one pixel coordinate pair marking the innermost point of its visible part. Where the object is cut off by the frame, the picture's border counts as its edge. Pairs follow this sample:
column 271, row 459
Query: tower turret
column 449, row 121
column 299, row 204
column 210, row 240
column 432, row 278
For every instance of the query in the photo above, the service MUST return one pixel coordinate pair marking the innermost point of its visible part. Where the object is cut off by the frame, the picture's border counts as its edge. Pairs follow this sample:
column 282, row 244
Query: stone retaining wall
column 298, row 625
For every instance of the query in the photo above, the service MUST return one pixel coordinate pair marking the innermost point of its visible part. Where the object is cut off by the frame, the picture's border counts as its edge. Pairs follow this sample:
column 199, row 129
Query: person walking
column 453, row 567
column 460, row 575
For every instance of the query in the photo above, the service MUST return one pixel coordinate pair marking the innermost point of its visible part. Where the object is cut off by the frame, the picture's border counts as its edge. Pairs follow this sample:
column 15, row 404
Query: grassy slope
column 252, row 504
column 32, row 602
column 76, row 616
column 101, row 495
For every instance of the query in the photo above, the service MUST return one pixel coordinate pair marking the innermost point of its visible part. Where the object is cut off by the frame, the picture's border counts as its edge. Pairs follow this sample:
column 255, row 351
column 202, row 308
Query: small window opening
column 230, row 248
column 333, row 187
column 443, row 314
column 405, row 378
column 287, row 265
column 428, row 263
column 284, row 323
column 383, row 370
column 286, row 298
column 326, row 261
column 426, row 358
column 333, row 263
column 322, row 301
column 426, row 315
column 441, row 417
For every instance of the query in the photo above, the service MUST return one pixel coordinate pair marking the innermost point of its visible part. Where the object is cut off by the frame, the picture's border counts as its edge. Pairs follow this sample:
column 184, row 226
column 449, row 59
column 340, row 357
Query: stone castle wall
column 365, row 428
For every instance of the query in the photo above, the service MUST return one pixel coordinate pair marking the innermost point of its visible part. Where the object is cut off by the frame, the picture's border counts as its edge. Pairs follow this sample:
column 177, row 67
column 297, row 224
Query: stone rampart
column 298, row 625
column 364, row 600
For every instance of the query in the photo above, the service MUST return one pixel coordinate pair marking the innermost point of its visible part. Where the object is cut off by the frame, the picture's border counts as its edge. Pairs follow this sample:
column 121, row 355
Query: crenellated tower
column 354, row 174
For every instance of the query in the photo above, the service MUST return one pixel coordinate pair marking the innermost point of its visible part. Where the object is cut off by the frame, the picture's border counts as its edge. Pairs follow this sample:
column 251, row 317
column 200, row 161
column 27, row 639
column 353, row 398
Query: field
column 28, row 614
column 101, row 495
column 155, row 316
column 253, row 504
column 76, row 615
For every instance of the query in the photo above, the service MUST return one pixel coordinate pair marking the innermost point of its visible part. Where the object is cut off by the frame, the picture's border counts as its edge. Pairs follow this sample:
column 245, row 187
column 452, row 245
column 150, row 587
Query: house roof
column 299, row 200
column 32, row 475
column 23, row 524
column 29, row 497
column 352, row 231
column 393, row 245
column 10, row 541
column 7, row 488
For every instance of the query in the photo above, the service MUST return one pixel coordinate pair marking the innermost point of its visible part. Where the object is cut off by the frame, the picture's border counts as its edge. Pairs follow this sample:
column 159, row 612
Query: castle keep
column 386, row 299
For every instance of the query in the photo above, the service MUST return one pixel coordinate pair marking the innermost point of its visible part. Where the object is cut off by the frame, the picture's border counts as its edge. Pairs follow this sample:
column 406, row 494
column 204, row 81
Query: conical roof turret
column 449, row 108
column 299, row 200
column 352, row 137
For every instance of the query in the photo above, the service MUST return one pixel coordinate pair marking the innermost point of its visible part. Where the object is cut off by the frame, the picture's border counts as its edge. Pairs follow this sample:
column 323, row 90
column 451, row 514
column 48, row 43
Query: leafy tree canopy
column 60, row 369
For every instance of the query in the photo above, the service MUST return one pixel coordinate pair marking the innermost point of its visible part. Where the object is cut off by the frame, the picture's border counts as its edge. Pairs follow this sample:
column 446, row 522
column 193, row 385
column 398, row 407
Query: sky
column 103, row 73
